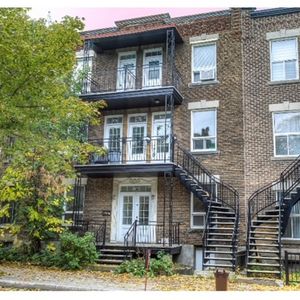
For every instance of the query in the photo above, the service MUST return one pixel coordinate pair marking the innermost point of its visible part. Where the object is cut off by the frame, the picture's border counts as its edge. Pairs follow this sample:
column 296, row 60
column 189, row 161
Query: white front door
column 136, row 206
column 113, row 138
column 152, row 68
column 136, row 143
column 161, row 137
column 126, row 73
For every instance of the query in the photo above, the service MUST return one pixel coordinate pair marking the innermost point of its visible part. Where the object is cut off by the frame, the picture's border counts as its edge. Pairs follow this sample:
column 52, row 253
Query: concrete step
column 264, row 245
column 265, row 232
column 222, row 223
column 264, row 251
column 218, row 252
column 110, row 261
column 263, row 264
column 264, row 257
column 218, row 265
column 262, row 271
column 219, row 258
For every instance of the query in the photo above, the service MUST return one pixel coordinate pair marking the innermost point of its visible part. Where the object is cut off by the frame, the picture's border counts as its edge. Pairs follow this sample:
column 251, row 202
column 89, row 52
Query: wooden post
column 286, row 266
column 147, row 265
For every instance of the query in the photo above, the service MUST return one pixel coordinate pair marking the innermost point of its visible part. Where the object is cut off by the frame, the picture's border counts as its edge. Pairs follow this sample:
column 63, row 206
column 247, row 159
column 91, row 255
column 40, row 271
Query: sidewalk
column 32, row 277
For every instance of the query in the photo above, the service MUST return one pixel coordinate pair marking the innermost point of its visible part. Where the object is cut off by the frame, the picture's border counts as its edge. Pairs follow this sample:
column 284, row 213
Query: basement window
column 293, row 228
column 197, row 213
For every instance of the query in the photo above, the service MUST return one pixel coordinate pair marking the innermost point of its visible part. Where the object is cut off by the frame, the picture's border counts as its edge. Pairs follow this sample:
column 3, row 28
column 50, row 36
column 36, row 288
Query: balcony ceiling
column 143, row 36
column 135, row 98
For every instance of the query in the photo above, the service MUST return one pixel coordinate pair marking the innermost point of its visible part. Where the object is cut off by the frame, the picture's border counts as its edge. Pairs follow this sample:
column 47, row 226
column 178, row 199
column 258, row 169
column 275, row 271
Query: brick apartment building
column 203, row 111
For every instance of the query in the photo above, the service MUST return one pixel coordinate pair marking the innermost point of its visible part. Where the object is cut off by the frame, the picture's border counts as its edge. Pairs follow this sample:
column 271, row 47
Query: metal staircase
column 221, row 202
column 268, row 213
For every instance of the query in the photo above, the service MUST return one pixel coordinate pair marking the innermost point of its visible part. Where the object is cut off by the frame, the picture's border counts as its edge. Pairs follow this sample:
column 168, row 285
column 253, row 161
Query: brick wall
column 260, row 165
column 228, row 161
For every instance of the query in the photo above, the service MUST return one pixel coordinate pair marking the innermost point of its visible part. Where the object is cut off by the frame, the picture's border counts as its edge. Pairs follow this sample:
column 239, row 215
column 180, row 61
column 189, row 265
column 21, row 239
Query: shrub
column 74, row 252
column 162, row 265
column 135, row 267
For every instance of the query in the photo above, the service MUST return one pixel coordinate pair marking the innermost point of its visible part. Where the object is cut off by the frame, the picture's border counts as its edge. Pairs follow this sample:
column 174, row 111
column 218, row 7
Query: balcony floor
column 134, row 169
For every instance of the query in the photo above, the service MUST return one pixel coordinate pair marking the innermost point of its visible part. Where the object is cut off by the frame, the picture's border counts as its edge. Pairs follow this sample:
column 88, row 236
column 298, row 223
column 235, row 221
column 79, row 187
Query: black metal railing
column 216, row 189
column 131, row 78
column 152, row 233
column 292, row 267
column 97, row 229
column 274, row 195
column 133, row 149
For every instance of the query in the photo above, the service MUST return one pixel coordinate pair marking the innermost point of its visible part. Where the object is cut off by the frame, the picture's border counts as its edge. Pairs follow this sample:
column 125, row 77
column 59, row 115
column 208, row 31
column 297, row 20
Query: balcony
column 130, row 154
column 131, row 86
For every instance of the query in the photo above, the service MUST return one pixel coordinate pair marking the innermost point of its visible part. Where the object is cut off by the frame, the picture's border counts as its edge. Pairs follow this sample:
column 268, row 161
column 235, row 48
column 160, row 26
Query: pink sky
column 105, row 17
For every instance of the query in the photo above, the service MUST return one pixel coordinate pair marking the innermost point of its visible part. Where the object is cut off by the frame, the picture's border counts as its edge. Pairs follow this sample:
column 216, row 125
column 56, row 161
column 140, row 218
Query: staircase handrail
column 210, row 176
column 131, row 231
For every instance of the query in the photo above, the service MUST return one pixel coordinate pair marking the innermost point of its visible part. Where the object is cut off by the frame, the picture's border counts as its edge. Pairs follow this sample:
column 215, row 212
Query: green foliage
column 135, row 267
column 162, row 265
column 74, row 252
column 41, row 121
column 77, row 251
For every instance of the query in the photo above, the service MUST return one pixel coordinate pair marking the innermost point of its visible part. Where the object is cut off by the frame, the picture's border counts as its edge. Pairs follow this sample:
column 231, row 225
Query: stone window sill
column 283, row 82
column 205, row 153
column 289, row 158
column 290, row 241
column 194, row 230
column 203, row 83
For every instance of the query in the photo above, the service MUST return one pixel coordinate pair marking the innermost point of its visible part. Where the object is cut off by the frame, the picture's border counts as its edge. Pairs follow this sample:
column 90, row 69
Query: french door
column 136, row 144
column 113, row 138
column 126, row 74
column 161, row 137
column 152, row 68
column 136, row 206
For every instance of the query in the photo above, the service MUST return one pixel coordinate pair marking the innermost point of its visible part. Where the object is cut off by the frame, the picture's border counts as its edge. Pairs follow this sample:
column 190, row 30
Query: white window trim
column 282, row 134
column 192, row 132
column 121, row 53
column 297, row 58
column 106, row 126
column 192, row 214
column 192, row 62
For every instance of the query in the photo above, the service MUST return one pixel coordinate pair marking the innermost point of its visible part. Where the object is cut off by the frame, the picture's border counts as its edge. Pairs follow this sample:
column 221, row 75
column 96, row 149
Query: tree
column 41, row 120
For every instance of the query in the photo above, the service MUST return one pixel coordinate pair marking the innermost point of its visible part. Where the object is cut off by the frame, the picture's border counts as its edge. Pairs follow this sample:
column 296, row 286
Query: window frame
column 216, row 131
column 283, row 134
column 192, row 214
column 297, row 59
column 203, row 44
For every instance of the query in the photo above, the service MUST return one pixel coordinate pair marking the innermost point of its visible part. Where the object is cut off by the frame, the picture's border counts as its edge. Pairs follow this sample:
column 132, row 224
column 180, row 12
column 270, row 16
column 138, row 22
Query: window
column 286, row 128
column 74, row 208
column 204, row 130
column 197, row 213
column 293, row 228
column 203, row 63
column 284, row 59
